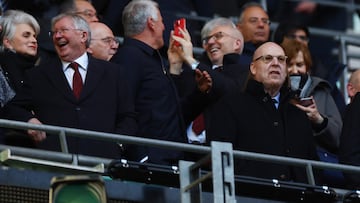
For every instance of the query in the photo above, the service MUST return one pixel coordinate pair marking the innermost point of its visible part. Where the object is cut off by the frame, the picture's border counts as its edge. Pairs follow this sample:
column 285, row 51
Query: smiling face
column 24, row 40
column 70, row 43
column 297, row 64
column 220, row 41
column 271, row 73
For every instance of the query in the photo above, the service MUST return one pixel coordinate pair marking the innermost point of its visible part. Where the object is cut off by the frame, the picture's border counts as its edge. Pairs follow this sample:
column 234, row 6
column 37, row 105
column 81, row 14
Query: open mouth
column 213, row 50
column 275, row 73
column 62, row 43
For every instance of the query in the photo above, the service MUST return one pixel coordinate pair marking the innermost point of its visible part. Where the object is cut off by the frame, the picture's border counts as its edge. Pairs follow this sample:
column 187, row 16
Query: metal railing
column 87, row 160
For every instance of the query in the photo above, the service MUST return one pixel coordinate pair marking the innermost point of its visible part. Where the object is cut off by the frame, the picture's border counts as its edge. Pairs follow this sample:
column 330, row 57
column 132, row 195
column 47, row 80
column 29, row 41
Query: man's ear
column 150, row 23
column 238, row 44
column 252, row 69
column 89, row 50
column 351, row 90
column 84, row 36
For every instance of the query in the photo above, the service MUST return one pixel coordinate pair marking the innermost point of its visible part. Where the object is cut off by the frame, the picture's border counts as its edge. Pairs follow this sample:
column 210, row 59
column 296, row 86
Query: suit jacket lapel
column 93, row 77
column 58, row 79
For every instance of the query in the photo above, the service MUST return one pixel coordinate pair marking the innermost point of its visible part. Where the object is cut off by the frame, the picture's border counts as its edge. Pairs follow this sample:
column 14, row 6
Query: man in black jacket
column 223, row 43
column 349, row 152
column 103, row 103
column 160, row 113
column 261, row 119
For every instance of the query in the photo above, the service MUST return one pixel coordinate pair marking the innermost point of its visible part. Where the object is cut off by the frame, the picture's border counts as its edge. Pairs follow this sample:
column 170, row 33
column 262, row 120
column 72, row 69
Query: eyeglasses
column 62, row 31
column 216, row 36
column 88, row 14
column 300, row 37
column 268, row 58
column 109, row 40
column 254, row 21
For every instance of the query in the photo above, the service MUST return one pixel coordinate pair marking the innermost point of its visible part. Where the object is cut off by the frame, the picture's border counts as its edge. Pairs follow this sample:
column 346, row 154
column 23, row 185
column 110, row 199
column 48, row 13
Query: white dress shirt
column 83, row 62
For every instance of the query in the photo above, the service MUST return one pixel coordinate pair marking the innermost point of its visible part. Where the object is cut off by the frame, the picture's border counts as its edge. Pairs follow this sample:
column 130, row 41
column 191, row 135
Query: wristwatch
column 194, row 65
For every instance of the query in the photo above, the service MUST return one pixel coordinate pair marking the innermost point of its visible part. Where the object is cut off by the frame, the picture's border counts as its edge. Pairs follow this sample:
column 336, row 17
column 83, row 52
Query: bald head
column 103, row 44
column 269, row 67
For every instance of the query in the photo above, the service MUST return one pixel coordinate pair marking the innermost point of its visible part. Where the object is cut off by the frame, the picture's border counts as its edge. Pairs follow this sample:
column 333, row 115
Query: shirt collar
column 277, row 97
column 83, row 62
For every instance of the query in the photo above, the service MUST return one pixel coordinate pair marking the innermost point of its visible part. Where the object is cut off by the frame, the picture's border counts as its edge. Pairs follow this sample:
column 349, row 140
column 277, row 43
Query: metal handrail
column 308, row 164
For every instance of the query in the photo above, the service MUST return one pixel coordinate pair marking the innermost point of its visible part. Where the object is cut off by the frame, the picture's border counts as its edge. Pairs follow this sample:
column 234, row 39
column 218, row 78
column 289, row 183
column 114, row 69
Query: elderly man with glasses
column 75, row 90
column 103, row 44
column 223, row 43
column 261, row 119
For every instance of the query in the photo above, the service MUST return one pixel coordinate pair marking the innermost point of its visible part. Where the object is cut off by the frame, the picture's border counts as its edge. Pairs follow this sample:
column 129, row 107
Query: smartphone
column 306, row 101
column 179, row 23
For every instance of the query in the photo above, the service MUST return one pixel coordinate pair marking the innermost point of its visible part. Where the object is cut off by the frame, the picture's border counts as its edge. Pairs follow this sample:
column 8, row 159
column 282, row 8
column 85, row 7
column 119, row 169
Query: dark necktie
column 275, row 103
column 77, row 80
column 219, row 68
column 198, row 124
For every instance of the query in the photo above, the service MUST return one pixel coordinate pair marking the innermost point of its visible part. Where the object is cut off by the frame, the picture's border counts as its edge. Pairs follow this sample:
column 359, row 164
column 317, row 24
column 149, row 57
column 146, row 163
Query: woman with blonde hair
column 18, row 53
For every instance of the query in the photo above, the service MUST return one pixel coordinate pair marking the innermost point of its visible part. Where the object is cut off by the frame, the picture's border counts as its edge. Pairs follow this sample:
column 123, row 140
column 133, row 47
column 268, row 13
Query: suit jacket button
column 276, row 123
column 77, row 108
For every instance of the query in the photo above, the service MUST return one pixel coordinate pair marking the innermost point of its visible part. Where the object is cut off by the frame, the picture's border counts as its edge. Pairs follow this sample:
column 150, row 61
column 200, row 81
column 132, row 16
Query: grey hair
column 11, row 18
column 216, row 22
column 79, row 23
column 135, row 16
column 225, row 22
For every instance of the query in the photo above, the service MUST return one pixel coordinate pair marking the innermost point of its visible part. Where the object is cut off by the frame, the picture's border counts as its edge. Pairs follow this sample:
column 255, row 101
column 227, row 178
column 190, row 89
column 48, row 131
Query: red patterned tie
column 77, row 80
column 198, row 124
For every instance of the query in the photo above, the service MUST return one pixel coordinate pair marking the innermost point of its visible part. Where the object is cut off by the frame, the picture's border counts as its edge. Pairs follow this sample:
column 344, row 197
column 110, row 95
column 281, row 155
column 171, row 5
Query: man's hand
column 174, row 58
column 36, row 135
column 203, row 80
column 312, row 112
column 185, row 50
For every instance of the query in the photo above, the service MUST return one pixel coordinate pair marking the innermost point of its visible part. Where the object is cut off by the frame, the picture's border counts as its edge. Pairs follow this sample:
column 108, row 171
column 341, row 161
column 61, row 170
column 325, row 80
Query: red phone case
column 180, row 23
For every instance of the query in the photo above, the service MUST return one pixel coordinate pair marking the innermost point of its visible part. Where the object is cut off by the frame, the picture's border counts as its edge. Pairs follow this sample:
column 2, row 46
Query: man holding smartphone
column 223, row 43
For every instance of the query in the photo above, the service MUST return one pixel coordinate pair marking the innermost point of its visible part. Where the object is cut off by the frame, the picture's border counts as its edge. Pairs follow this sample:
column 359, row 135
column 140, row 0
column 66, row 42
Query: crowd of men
column 245, row 89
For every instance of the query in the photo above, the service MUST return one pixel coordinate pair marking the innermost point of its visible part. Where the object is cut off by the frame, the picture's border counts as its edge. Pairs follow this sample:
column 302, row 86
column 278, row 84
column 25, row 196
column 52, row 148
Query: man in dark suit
column 160, row 113
column 349, row 150
column 223, row 43
column 261, row 119
column 101, row 103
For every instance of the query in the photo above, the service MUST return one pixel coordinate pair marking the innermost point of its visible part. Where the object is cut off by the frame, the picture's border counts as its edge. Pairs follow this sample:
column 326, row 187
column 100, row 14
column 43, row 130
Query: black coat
column 349, row 152
column 160, row 113
column 250, row 121
column 103, row 105
column 14, row 66
column 231, row 76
